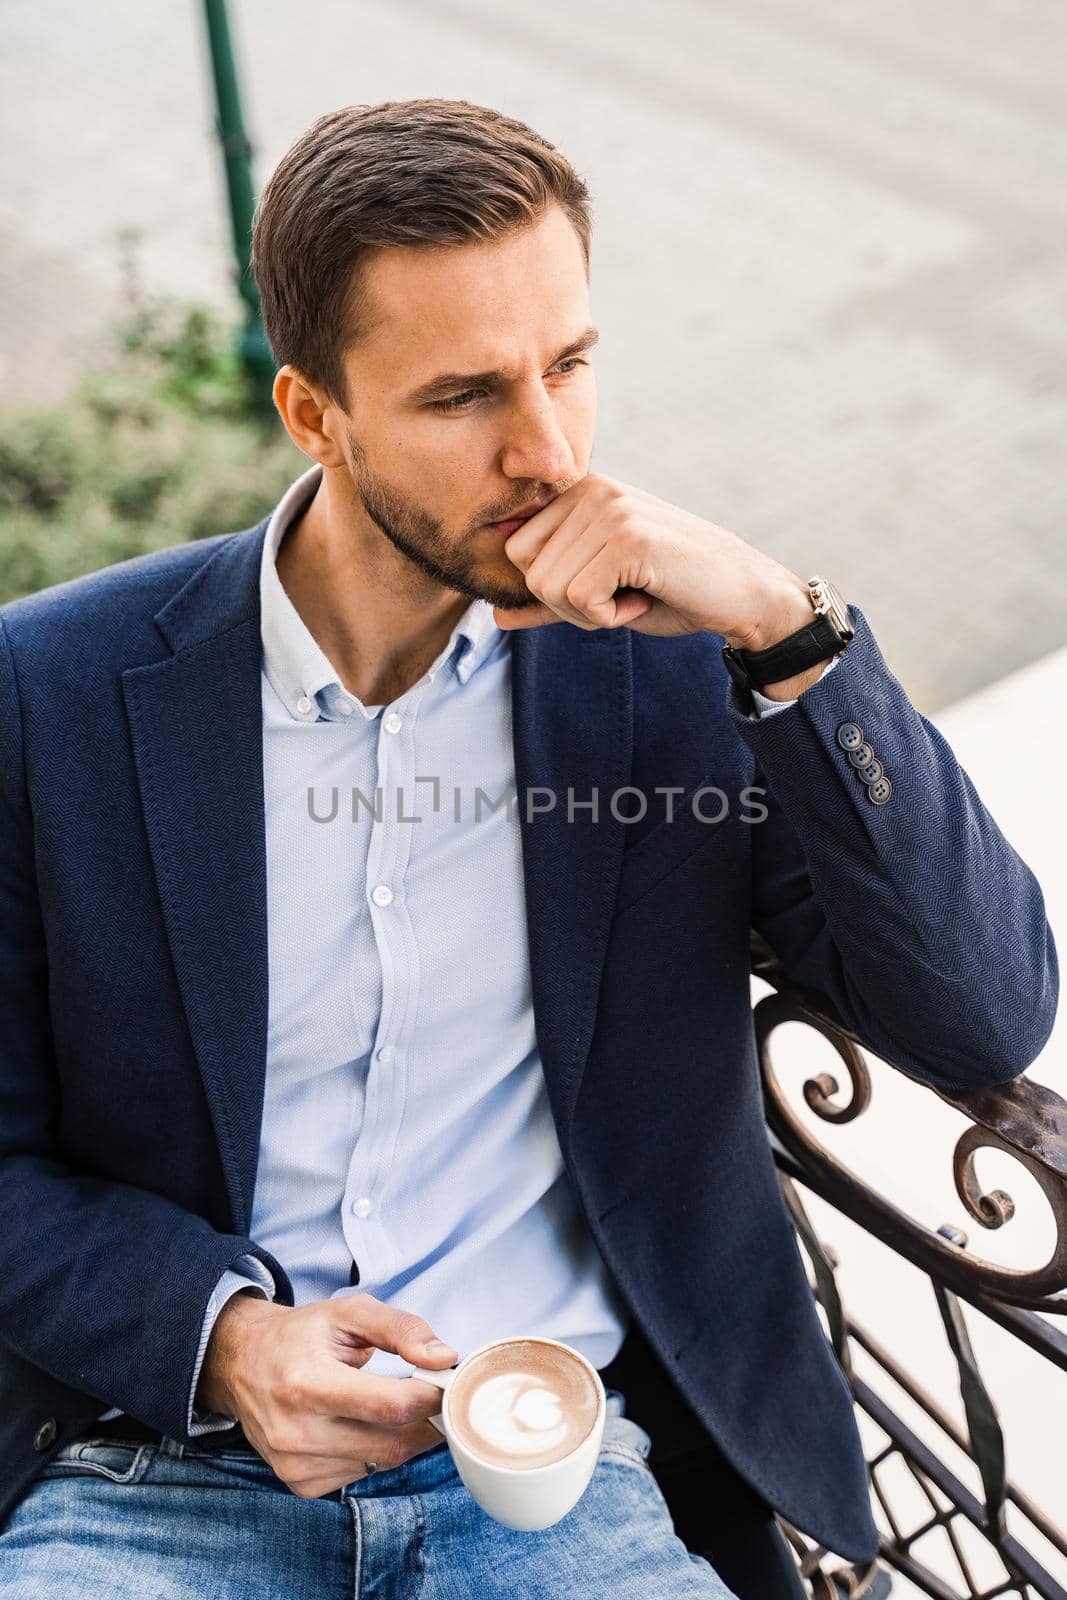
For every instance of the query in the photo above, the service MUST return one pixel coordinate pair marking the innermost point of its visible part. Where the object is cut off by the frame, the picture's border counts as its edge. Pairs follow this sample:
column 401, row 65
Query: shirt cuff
column 245, row 1273
column 764, row 706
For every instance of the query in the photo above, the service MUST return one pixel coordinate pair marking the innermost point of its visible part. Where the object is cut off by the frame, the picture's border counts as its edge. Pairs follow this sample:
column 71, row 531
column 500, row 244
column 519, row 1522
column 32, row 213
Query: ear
column 310, row 418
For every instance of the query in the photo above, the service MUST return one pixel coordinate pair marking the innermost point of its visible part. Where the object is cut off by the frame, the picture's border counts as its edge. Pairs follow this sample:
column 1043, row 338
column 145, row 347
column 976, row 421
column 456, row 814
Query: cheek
column 582, row 409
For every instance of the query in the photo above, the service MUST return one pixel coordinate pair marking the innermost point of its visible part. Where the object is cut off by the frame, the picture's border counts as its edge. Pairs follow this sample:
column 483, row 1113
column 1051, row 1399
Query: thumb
column 401, row 1332
column 526, row 616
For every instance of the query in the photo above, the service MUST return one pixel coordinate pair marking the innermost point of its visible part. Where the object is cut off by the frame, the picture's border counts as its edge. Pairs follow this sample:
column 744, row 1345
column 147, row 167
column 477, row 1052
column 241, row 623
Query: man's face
column 431, row 470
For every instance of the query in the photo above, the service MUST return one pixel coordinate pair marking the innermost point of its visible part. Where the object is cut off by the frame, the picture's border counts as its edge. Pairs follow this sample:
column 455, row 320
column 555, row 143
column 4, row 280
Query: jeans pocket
column 121, row 1461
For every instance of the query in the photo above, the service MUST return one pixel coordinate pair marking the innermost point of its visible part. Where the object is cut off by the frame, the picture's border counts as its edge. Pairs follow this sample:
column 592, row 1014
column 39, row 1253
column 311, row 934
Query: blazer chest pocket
column 699, row 816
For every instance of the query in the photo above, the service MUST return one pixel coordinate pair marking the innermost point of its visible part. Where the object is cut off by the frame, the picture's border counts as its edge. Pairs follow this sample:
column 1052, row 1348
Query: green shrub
column 159, row 444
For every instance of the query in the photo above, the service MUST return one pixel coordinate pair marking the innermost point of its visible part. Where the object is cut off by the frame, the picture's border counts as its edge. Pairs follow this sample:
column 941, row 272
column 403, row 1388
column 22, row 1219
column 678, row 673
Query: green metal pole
column 253, row 346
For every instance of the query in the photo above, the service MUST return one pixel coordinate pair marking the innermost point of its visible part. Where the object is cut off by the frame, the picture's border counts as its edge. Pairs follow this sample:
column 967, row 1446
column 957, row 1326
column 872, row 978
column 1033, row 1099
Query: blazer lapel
column 572, row 721
column 196, row 724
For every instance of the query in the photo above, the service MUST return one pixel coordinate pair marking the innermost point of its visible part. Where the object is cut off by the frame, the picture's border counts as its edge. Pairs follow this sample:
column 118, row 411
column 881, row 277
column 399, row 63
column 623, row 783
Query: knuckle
column 293, row 1394
column 411, row 1326
column 307, row 1490
column 393, row 1409
column 282, row 1442
column 393, row 1453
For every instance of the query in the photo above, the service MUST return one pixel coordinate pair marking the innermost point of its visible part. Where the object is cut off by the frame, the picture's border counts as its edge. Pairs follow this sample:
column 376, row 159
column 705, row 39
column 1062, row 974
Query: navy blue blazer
column 133, row 991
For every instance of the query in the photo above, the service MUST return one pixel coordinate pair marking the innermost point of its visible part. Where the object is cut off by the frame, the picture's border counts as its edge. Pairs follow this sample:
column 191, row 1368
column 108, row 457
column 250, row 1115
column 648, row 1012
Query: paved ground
column 829, row 265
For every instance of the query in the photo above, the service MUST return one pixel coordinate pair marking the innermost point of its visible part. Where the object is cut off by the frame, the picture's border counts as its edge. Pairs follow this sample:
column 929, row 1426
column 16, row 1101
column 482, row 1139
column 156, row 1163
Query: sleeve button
column 45, row 1436
column 879, row 791
column 850, row 736
column 872, row 771
column 862, row 754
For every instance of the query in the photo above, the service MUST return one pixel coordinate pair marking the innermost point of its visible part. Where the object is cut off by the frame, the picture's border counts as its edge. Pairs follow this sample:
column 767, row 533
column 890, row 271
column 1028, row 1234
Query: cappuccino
column 523, row 1404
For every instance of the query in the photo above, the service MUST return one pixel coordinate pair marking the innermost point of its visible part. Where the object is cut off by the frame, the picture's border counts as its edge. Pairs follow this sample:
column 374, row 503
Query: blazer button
column 879, row 791
column 872, row 771
column 862, row 755
column 850, row 736
column 45, row 1436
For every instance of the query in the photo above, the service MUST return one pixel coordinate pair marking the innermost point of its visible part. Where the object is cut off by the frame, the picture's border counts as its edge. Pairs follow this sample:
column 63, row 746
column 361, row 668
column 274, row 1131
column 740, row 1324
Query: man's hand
column 605, row 555
column 292, row 1380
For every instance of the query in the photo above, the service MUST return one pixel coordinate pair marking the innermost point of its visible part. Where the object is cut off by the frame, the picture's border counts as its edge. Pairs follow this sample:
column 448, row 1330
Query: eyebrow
column 445, row 382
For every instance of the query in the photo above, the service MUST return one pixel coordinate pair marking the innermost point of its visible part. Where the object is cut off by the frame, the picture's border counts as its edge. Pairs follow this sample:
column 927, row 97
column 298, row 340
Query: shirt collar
column 299, row 672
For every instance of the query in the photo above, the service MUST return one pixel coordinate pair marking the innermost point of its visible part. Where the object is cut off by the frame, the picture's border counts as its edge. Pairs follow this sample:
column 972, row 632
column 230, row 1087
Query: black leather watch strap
column 817, row 641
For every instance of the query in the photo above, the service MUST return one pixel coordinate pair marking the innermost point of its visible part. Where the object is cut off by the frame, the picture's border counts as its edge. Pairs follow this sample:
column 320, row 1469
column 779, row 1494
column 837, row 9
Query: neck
column 379, row 621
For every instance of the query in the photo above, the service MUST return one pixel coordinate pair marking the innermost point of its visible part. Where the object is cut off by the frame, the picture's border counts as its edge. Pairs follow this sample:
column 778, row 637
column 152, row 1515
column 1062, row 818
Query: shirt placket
column 366, row 1197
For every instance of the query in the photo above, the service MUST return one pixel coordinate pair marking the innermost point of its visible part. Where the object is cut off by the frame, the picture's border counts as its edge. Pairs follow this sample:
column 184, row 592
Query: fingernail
column 437, row 1347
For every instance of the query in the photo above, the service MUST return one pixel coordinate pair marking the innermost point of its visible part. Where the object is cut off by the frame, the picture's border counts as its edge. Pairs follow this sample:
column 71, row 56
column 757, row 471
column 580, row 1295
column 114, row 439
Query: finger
column 314, row 1476
column 538, row 616
column 366, row 1397
column 604, row 593
column 555, row 525
column 343, row 1449
column 401, row 1332
column 522, row 546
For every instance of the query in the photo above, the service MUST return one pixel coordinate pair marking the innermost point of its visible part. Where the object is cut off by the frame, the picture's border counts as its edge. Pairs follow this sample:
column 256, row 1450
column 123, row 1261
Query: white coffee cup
column 526, row 1498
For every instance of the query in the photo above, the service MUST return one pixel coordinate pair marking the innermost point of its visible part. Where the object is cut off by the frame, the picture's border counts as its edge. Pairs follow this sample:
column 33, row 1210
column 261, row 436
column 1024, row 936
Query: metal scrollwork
column 1022, row 1119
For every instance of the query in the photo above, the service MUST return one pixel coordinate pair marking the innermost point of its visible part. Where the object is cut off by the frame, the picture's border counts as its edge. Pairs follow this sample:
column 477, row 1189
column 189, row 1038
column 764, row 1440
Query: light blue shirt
column 406, row 1123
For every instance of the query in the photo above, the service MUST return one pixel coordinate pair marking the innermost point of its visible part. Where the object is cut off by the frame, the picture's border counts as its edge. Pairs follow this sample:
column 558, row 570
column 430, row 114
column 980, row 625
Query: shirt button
column 381, row 894
column 344, row 708
column 363, row 1207
column 386, row 1053
column 392, row 723
column 303, row 704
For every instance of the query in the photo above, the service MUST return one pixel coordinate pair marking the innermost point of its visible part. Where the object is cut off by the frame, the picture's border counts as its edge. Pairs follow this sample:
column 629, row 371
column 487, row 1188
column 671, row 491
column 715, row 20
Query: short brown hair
column 406, row 172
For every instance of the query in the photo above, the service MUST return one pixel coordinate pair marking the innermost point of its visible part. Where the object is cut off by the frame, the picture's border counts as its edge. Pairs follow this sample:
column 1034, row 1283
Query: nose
column 536, row 447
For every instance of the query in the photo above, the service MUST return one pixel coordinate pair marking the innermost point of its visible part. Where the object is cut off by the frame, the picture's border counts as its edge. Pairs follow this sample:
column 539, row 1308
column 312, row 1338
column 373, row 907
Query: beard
column 419, row 537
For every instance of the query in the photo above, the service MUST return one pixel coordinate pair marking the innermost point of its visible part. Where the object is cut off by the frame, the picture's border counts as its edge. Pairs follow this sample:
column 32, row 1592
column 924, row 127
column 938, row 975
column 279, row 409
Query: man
column 298, row 1092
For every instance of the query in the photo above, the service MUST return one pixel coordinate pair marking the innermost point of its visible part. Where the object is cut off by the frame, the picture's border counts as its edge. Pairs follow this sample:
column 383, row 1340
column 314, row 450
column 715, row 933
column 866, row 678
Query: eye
column 462, row 402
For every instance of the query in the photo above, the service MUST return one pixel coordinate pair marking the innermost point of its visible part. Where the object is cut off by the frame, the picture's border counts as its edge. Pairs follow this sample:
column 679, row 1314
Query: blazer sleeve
column 916, row 918
column 103, row 1285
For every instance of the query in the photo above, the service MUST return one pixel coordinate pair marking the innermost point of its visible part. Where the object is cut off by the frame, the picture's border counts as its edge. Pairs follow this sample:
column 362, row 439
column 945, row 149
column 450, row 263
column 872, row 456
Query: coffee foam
column 523, row 1404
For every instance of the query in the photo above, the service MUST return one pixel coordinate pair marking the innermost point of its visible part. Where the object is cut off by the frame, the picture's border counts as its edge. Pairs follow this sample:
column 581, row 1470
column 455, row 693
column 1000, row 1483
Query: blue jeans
column 133, row 1521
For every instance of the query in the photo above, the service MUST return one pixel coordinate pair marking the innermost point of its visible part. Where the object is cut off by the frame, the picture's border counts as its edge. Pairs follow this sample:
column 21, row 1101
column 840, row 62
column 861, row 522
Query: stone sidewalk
column 828, row 266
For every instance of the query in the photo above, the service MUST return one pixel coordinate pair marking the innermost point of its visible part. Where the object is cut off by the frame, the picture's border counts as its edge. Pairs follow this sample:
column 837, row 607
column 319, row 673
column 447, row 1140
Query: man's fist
column 291, row 1378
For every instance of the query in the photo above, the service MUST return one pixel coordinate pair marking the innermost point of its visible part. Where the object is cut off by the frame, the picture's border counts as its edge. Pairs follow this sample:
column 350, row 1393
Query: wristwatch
column 829, row 633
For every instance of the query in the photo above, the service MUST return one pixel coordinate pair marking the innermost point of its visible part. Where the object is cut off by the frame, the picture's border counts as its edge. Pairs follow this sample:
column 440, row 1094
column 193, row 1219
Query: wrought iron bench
column 1029, row 1123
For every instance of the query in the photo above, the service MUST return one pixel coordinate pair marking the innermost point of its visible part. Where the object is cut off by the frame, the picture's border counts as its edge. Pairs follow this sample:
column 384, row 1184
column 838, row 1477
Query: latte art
column 515, row 1415
column 523, row 1404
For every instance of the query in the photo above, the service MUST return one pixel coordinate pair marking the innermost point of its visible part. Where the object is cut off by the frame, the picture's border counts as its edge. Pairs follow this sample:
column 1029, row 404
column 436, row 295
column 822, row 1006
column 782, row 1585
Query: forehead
column 472, row 306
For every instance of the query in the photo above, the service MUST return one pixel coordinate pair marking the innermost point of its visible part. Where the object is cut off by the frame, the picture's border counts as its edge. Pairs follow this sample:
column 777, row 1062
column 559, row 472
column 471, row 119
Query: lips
column 523, row 514
column 509, row 525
